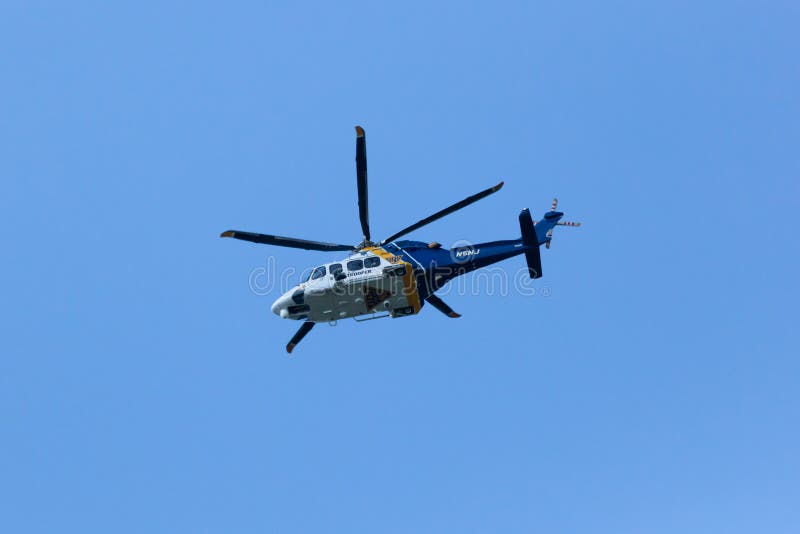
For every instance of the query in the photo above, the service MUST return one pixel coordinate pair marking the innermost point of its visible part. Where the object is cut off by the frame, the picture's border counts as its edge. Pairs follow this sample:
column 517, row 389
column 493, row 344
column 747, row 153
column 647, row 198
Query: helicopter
column 392, row 277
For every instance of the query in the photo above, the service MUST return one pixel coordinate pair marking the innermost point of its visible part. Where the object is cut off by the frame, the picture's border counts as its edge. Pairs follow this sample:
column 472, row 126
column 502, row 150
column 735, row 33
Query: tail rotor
column 553, row 207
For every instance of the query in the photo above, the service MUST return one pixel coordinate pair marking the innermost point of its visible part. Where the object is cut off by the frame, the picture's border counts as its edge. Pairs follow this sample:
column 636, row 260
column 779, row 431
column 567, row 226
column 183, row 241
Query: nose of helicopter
column 281, row 305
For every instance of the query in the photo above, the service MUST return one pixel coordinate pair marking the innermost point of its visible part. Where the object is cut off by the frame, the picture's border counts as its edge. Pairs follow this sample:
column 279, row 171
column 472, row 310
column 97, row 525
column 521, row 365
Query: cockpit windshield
column 313, row 274
column 319, row 272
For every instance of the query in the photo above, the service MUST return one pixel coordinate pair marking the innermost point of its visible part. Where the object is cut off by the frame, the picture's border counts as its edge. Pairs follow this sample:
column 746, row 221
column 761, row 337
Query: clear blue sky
column 145, row 388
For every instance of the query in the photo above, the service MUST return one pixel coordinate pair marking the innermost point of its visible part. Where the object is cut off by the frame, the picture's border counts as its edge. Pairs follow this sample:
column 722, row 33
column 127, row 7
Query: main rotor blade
column 447, row 211
column 305, row 328
column 439, row 304
column 285, row 241
column 361, row 176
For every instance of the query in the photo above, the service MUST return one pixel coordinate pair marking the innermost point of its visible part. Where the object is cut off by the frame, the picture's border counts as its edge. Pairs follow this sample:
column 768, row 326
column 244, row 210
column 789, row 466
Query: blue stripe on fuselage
column 442, row 265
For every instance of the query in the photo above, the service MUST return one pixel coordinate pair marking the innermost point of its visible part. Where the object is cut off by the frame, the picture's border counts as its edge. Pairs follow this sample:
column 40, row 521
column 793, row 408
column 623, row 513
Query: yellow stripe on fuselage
column 383, row 253
column 409, row 280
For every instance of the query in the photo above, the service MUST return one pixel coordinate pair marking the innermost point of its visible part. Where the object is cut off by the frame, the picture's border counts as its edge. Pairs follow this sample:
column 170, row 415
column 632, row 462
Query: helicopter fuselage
column 393, row 279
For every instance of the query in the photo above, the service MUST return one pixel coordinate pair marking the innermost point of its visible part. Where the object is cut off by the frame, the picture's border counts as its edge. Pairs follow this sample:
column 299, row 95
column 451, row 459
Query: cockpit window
column 372, row 261
column 306, row 276
column 335, row 268
column 355, row 265
column 319, row 272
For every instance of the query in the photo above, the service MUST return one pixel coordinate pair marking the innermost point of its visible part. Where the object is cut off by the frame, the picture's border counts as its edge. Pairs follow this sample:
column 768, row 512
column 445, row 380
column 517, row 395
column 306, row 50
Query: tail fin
column 531, row 242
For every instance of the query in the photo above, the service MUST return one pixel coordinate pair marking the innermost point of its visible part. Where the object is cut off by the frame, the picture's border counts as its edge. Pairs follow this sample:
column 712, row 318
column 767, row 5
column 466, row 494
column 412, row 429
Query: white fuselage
column 367, row 282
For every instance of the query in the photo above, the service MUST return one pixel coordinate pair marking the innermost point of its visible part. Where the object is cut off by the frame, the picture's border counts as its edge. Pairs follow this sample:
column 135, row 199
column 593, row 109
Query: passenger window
column 355, row 265
column 372, row 261
column 319, row 272
column 335, row 268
